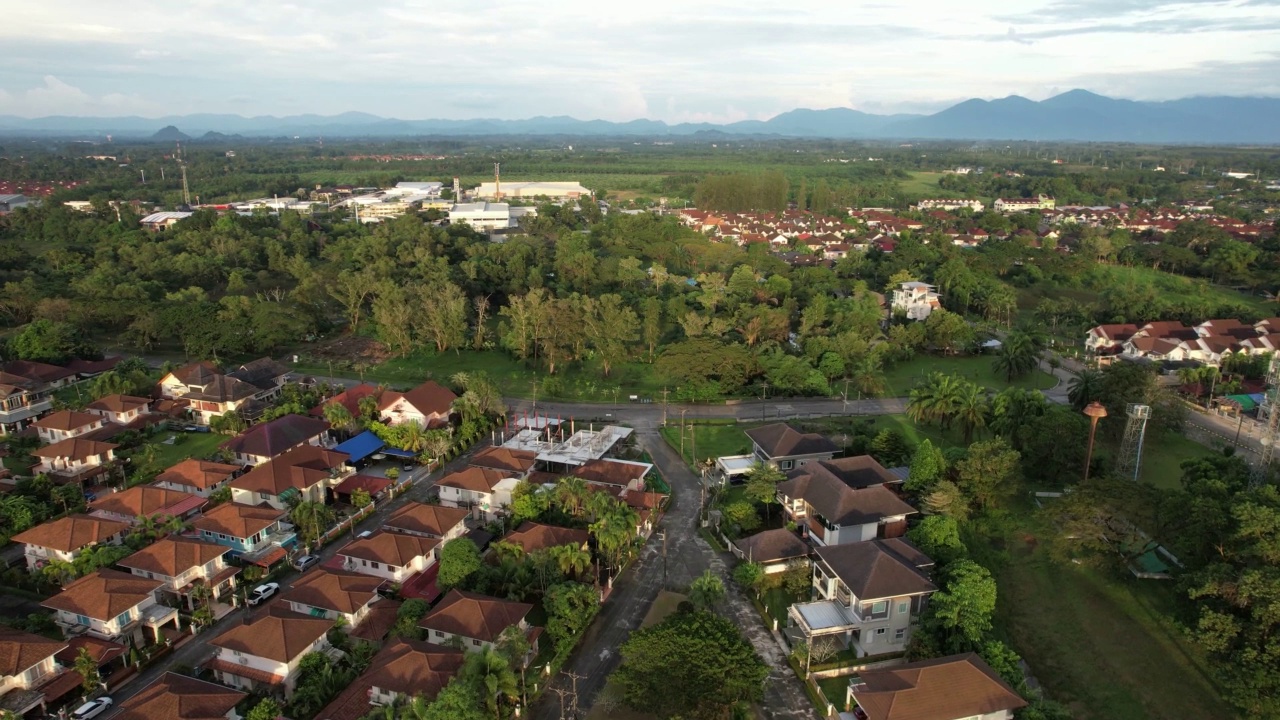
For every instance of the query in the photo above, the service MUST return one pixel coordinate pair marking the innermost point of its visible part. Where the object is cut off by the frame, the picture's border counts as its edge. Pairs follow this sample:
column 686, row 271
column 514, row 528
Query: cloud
column 147, row 54
column 55, row 97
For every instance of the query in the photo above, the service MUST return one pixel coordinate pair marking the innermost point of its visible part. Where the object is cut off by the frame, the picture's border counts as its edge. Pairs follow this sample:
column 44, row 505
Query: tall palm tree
column 1084, row 388
column 503, row 551
column 339, row 417
column 174, row 525
column 311, row 518
column 498, row 683
column 571, row 495
column 413, row 437
column 1018, row 355
column 60, row 572
column 971, row 410
column 935, row 401
column 572, row 560
column 867, row 374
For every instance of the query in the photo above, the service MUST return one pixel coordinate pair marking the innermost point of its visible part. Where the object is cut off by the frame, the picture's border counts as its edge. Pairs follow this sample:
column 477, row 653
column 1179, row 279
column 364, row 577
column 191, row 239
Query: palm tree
column 706, row 591
column 503, row 551
column 436, row 443
column 615, row 532
column 572, row 560
column 971, row 410
column 413, row 437
column 174, row 525
column 867, row 374
column 513, row 579
column 368, row 406
column 935, row 401
column 147, row 527
column 1085, row 388
column 599, row 504
column 1018, row 355
column 493, row 674
column 338, row 416
column 571, row 495
column 60, row 572
column 311, row 518
column 87, row 667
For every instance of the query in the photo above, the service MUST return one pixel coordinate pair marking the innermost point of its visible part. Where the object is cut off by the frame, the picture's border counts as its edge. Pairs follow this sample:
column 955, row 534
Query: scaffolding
column 1129, row 461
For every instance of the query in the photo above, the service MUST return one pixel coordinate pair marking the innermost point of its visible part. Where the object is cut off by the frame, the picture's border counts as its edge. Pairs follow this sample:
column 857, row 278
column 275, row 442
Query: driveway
column 687, row 557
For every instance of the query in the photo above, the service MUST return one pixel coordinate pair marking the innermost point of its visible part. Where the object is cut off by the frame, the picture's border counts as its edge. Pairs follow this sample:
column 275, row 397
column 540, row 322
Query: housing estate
column 428, row 404
column 254, row 533
column 482, row 490
column 430, row 521
column 146, row 501
column 402, row 670
column 76, row 459
column 120, row 409
column 263, row 651
column 333, row 594
column 196, row 477
column 27, row 666
column 389, row 555
column 774, row 550
column 1207, row 343
column 66, row 424
column 532, row 537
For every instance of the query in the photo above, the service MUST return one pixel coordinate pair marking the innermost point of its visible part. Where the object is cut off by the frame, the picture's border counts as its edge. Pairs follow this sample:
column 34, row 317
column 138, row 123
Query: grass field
column 711, row 441
column 1104, row 646
column 1164, row 454
column 901, row 377
column 185, row 445
column 923, row 184
column 836, row 691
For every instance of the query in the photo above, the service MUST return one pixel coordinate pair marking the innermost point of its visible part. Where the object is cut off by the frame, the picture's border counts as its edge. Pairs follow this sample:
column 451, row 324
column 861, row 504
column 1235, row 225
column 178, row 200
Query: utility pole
column 682, row 412
column 664, row 407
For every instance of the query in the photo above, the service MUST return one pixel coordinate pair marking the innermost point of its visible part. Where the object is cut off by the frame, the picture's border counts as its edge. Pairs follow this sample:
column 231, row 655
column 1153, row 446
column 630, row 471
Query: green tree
column 989, row 471
column 46, row 341
column 1084, row 388
column 312, row 519
column 742, row 514
column 890, row 447
column 706, row 592
column 749, row 575
column 961, row 611
column 87, row 668
column 718, row 668
column 360, row 498
column 1018, row 355
column 407, row 617
column 570, row 609
column 762, row 485
column 490, row 674
column 927, row 467
column 266, row 709
column 459, row 560
column 938, row 536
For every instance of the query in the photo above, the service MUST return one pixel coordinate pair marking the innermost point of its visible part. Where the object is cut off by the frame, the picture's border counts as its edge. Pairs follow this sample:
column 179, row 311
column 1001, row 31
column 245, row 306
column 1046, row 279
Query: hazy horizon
column 676, row 62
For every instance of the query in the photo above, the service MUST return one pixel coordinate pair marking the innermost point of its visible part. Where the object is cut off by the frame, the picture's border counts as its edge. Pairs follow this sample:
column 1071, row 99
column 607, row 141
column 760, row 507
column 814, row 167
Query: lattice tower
column 1129, row 461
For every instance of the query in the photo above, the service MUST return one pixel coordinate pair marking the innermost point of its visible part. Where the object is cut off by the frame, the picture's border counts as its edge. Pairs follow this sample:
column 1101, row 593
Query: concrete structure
column 945, row 204
column 550, row 190
column 484, row 491
column 916, row 300
column 482, row 215
column 1041, row 202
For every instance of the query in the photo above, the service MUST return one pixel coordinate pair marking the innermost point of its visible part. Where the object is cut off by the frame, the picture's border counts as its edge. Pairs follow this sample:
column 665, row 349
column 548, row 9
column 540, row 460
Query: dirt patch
column 351, row 349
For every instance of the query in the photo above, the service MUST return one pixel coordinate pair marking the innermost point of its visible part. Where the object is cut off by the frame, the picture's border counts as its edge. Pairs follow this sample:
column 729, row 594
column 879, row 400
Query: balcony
column 823, row 617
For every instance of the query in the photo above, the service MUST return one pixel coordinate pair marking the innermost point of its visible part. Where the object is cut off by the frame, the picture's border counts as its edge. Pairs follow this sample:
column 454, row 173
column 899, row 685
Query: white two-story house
column 332, row 594
column 302, row 474
column 476, row 620
column 77, row 458
column 785, row 448
column 120, row 409
column 65, row 538
column 484, row 491
column 196, row 477
column 869, row 596
column 182, row 564
column 113, row 605
column 916, row 300
column 26, row 663
column 262, row 651
column 958, row 687
column 388, row 555
column 66, row 424
column 428, row 405
column 844, row 501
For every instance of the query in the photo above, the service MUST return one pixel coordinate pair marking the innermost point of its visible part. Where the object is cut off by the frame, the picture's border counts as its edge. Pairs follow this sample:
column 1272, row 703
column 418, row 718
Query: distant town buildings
column 916, row 299
column 950, row 204
column 550, row 190
column 1040, row 202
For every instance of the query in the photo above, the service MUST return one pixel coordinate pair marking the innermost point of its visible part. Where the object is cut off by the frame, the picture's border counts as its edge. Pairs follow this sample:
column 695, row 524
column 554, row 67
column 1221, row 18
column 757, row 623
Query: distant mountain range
column 1078, row 115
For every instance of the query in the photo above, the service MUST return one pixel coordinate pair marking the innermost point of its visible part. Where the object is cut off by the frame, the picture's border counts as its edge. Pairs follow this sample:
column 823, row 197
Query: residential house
column 51, row 375
column 429, row 405
column 869, row 596
column 26, row 663
column 532, row 536
column 432, row 521
column 844, row 501
column 251, row 531
column 22, row 400
column 774, row 550
column 783, row 447
column 515, row 463
column 267, row 440
column 1040, row 202
column 65, row 538
column 333, row 594
column 350, row 399
column 389, row 555
column 183, row 564
column 1108, row 339
column 625, row 474
column 957, row 687
column 66, row 424
column 262, row 652
column 75, row 459
column 197, row 477
column 179, row 697
column 486, row 492
column 303, row 473
column 147, row 501
column 265, row 374
column 476, row 620
column 402, row 670
column 207, row 391
column 120, row 409
column 916, row 300
column 112, row 605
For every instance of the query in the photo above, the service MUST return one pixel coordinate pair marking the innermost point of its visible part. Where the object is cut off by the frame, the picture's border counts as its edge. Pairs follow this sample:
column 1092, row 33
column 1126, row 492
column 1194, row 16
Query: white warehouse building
column 553, row 190
column 483, row 215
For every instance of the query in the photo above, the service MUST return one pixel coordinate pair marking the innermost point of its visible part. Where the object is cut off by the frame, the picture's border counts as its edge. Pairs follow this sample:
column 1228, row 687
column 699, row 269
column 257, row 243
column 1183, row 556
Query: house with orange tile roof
column 183, row 564
column 389, row 555
column 112, row 605
column 66, row 424
column 432, row 521
column 251, row 531
column 197, row 477
column 428, row 404
column 75, row 459
column 334, row 594
column 404, row 669
column 146, row 501
column 477, row 620
column 120, row 409
column 957, row 687
column 65, row 538
column 263, row 650
column 303, row 473
column 179, row 697
column 27, row 662
column 484, row 491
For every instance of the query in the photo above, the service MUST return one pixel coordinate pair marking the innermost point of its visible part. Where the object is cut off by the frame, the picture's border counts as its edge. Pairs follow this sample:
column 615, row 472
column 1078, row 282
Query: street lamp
column 1095, row 411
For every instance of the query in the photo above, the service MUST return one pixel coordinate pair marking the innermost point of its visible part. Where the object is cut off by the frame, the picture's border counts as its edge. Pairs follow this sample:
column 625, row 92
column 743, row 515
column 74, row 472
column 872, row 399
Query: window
column 784, row 465
column 881, row 631
column 899, row 635
column 876, row 610
column 476, row 643
column 124, row 618
column 374, row 565
column 903, row 607
column 82, row 620
column 437, row 633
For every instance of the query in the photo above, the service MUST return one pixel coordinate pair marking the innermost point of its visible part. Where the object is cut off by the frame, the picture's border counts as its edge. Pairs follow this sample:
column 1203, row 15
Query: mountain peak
column 170, row 133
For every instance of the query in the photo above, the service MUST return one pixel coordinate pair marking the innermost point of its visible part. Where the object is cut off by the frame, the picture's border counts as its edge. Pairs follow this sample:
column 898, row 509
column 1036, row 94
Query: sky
column 667, row 60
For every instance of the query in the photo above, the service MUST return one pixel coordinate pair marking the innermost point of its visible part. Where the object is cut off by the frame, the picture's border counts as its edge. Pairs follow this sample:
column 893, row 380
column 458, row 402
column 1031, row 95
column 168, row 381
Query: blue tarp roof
column 397, row 452
column 361, row 446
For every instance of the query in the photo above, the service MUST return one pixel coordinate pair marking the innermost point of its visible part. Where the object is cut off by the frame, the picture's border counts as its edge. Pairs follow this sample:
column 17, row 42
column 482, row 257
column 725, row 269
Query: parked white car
column 262, row 592
column 92, row 709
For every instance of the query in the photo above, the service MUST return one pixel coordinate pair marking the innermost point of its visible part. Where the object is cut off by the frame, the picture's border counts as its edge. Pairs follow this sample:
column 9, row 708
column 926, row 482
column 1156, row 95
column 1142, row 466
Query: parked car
column 262, row 592
column 365, row 534
column 92, row 709
column 304, row 562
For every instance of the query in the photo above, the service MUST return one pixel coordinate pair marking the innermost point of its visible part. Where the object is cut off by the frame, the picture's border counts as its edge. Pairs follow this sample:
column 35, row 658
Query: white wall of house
column 120, row 418
column 106, row 629
column 402, row 411
column 353, row 619
column 315, row 493
column 52, row 435
column 394, row 573
column 74, row 467
column 39, row 556
column 199, row 572
column 289, row 670
column 883, row 624
column 191, row 489
column 469, row 644
column 456, row 531
column 28, row 678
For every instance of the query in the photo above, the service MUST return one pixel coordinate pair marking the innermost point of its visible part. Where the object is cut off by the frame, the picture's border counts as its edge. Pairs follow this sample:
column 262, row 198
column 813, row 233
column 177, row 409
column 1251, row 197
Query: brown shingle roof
column 178, row 697
column 395, row 549
column 275, row 634
column 143, row 501
column 298, row 468
column 534, row 536
column 349, row 399
column 41, row 372
column 197, row 373
column 516, row 462
column 273, row 438
column 772, row 546
column 841, row 504
column 19, row 651
column 174, row 556
column 476, row 479
column 940, row 689
column 470, row 615
column 410, row 667
column 856, row 472
column 71, row 533
column 118, row 403
column 430, row 397
column 200, row 474
column 611, row 472
column 426, row 519
column 878, row 568
column 67, row 420
column 781, row 440
column 342, row 592
column 238, row 520
column 103, row 595
column 76, row 448
column 261, row 373
column 221, row 388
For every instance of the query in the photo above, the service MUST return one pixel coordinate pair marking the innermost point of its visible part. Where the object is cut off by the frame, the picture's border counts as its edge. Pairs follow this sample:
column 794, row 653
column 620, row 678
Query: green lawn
column 1105, row 646
column 185, row 445
column 712, row 441
column 836, row 691
column 923, row 184
column 1163, row 456
column 903, row 376
column 514, row 379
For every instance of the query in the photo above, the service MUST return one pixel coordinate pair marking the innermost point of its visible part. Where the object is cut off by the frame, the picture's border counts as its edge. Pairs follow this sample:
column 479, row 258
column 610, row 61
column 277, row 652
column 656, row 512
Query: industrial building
column 550, row 190
column 483, row 215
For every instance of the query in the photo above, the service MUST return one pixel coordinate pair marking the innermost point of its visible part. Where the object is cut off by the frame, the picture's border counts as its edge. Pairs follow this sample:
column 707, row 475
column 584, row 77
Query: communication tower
column 1129, row 462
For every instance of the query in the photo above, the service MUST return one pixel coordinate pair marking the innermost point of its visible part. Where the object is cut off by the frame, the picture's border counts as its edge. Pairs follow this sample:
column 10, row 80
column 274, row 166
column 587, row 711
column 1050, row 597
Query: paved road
column 687, row 557
column 198, row 649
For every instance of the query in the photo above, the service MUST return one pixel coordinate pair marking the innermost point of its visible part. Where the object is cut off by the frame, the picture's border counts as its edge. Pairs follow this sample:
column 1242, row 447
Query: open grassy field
column 1164, row 454
column 901, row 377
column 923, row 185
column 710, row 441
column 185, row 445
column 1105, row 646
